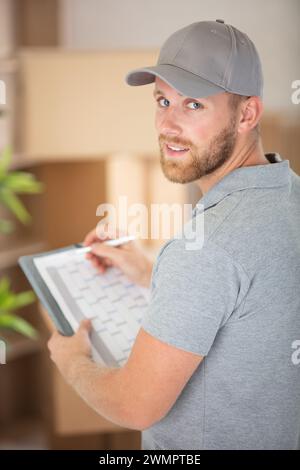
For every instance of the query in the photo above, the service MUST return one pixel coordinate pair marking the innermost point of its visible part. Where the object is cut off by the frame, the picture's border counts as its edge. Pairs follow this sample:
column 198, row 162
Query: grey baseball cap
column 206, row 58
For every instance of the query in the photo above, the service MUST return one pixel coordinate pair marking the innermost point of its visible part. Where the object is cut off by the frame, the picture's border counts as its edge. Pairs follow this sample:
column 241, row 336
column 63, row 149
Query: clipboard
column 103, row 350
column 42, row 291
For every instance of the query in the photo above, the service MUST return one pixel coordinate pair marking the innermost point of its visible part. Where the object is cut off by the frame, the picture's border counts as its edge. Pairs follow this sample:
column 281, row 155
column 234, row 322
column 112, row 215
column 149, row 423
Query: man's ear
column 250, row 114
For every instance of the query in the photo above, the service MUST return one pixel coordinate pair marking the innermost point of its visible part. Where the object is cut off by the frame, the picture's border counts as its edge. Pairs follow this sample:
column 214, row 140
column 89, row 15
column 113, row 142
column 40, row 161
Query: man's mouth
column 175, row 150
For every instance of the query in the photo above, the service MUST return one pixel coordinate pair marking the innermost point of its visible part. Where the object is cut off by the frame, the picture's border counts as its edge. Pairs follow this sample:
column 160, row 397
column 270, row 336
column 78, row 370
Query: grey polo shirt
column 235, row 301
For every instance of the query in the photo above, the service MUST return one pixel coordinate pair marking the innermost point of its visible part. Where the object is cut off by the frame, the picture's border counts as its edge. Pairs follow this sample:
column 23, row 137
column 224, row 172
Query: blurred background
column 83, row 137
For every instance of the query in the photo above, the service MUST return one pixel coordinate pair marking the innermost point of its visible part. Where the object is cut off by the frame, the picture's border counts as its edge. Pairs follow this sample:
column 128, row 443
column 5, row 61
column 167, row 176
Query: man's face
column 204, row 127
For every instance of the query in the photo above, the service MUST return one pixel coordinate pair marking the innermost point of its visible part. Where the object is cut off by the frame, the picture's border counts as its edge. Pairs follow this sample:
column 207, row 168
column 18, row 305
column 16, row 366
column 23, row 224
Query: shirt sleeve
column 193, row 294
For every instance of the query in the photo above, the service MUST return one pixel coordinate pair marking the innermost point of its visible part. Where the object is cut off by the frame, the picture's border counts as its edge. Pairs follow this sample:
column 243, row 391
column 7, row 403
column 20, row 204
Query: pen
column 112, row 242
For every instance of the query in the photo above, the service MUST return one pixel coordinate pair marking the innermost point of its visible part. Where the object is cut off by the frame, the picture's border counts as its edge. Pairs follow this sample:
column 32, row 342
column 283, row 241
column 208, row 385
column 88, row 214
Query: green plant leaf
column 12, row 183
column 22, row 182
column 5, row 293
column 14, row 301
column 4, row 285
column 13, row 322
column 13, row 203
column 5, row 160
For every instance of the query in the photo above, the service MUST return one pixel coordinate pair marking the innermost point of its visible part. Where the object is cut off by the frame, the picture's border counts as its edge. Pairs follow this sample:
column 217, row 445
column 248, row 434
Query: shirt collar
column 258, row 176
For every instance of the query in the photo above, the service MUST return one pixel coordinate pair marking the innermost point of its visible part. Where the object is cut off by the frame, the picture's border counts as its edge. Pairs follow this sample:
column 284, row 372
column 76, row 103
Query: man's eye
column 198, row 105
column 163, row 103
column 159, row 100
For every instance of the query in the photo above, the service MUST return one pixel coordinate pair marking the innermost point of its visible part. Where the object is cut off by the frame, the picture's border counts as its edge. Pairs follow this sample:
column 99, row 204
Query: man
column 214, row 363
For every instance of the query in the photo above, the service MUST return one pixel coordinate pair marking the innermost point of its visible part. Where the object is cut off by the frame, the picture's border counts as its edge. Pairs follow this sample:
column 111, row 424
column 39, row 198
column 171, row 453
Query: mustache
column 174, row 141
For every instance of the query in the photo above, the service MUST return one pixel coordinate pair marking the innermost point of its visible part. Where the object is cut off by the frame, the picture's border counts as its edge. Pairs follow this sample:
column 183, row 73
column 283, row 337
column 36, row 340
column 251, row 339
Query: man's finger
column 85, row 326
column 106, row 251
column 89, row 237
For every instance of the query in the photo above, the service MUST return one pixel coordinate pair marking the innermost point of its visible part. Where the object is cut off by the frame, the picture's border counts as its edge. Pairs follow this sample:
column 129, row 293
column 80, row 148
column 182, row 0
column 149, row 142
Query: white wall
column 274, row 26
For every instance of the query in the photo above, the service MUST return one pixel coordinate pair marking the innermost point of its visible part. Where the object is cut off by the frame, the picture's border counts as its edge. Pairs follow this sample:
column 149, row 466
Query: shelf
column 20, row 162
column 9, row 258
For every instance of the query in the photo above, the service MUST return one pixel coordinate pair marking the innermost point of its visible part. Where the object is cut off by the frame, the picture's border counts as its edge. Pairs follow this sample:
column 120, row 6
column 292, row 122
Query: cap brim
column 186, row 83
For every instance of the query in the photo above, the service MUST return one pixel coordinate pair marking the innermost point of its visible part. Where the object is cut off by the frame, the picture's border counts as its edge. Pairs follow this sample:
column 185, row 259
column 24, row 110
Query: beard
column 196, row 164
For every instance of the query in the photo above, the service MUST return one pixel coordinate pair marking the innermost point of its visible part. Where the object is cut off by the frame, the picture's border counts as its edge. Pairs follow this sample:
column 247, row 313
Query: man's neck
column 247, row 155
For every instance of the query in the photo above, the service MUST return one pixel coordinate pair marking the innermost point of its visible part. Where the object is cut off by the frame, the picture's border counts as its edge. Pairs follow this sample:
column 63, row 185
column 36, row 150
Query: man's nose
column 168, row 125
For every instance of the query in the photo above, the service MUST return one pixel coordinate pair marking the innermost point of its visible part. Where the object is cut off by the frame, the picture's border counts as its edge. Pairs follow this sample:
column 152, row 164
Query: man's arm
column 134, row 396
column 156, row 374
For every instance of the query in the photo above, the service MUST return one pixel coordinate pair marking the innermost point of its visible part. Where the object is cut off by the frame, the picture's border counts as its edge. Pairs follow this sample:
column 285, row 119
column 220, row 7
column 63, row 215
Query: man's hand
column 64, row 350
column 130, row 258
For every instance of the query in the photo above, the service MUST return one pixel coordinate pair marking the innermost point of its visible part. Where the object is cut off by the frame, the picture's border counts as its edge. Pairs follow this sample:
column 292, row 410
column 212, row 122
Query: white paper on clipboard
column 114, row 304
